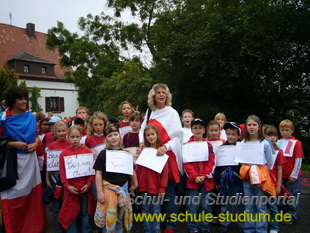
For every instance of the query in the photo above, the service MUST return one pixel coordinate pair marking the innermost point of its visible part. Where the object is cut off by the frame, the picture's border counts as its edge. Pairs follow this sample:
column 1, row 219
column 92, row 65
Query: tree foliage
column 35, row 95
column 237, row 57
column 8, row 79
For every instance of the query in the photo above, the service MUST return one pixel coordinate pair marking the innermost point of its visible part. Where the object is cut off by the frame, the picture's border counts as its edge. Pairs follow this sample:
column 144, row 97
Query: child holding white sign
column 53, row 177
column 112, row 187
column 126, row 109
column 200, row 179
column 213, row 137
column 293, row 152
column 256, row 155
column 226, row 175
column 76, row 160
column 152, row 185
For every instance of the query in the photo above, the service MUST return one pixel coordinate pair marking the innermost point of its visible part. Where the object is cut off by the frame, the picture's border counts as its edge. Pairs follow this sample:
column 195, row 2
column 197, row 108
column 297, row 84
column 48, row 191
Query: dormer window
column 43, row 70
column 26, row 69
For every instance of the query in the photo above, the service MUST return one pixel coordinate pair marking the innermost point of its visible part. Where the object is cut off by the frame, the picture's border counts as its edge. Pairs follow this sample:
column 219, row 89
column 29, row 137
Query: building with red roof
column 24, row 50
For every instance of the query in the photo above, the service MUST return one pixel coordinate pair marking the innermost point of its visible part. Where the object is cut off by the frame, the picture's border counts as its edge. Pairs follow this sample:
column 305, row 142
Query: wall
column 61, row 89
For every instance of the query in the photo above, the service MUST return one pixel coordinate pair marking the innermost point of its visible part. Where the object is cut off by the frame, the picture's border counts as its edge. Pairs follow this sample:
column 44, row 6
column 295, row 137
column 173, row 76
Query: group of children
column 105, row 195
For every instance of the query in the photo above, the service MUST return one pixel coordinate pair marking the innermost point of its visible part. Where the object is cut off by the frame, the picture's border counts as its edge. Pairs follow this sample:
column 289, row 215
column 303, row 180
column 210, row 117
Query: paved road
column 302, row 226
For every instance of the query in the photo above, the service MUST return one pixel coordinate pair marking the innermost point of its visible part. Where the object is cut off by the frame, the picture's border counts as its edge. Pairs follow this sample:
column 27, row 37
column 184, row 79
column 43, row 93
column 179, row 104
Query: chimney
column 31, row 30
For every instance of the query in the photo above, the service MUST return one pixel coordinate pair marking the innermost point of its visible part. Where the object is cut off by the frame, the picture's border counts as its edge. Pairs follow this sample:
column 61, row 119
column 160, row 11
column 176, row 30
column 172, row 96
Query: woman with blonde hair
column 167, row 121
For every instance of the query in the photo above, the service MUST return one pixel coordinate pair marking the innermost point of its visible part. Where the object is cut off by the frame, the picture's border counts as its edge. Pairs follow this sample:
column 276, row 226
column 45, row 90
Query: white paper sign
column 225, row 156
column 119, row 161
column 134, row 152
column 287, row 145
column 148, row 158
column 195, row 152
column 97, row 149
column 124, row 130
column 216, row 145
column 79, row 165
column 250, row 153
column 52, row 162
column 274, row 158
column 83, row 139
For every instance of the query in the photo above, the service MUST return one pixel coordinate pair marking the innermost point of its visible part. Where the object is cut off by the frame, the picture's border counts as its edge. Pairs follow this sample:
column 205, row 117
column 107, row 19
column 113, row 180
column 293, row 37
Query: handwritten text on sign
column 195, row 152
column 52, row 162
column 250, row 153
column 225, row 156
column 79, row 165
column 119, row 161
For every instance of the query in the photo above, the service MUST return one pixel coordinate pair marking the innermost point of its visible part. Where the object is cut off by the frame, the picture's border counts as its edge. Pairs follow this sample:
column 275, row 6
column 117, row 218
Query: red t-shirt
column 280, row 160
column 290, row 161
column 94, row 141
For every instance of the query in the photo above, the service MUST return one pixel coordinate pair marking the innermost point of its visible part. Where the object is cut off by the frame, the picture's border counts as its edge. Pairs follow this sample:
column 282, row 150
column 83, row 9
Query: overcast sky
column 45, row 13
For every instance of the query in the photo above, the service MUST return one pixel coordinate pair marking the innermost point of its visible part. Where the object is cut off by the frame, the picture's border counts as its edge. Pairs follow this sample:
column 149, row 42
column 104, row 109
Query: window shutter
column 62, row 104
column 47, row 104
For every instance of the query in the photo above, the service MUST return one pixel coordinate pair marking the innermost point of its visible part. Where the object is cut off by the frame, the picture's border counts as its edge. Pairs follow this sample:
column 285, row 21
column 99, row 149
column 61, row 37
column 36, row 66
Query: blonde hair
column 100, row 116
column 121, row 106
column 75, row 127
column 286, row 124
column 246, row 134
column 120, row 143
column 220, row 114
column 158, row 141
column 82, row 107
column 61, row 123
column 189, row 111
column 151, row 96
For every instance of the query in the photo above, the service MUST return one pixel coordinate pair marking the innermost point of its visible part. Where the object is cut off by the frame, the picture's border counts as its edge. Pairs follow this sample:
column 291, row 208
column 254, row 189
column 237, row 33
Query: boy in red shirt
column 200, row 179
column 293, row 152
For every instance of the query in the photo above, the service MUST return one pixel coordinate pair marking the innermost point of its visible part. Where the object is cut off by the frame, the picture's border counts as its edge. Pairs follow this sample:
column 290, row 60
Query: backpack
column 8, row 165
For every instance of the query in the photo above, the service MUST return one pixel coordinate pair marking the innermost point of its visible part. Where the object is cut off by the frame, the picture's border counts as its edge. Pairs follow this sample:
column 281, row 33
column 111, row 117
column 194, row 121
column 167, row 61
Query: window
column 26, row 69
column 43, row 70
column 54, row 104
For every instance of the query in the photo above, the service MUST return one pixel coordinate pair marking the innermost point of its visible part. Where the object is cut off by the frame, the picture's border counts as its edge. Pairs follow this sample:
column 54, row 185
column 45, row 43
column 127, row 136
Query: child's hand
column 132, row 188
column 161, row 194
column 73, row 190
column 48, row 183
column 199, row 179
column 217, row 187
column 291, row 180
column 85, row 188
column 161, row 150
column 101, row 198
column 278, row 189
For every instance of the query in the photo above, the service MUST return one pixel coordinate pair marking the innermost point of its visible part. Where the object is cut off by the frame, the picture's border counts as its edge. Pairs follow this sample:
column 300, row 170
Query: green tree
column 23, row 85
column 95, row 60
column 8, row 79
column 131, row 82
column 237, row 57
column 35, row 95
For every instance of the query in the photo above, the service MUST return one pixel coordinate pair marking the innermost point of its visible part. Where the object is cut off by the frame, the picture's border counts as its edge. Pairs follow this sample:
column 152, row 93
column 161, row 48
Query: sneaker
column 223, row 229
column 273, row 231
